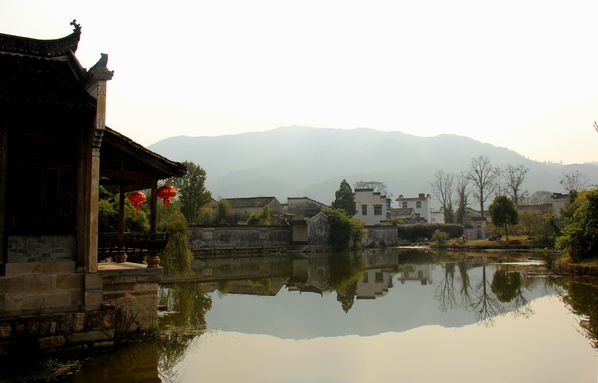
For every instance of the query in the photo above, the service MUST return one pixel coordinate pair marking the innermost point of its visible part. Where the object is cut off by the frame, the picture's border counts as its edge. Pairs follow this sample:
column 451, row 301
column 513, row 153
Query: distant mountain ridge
column 303, row 161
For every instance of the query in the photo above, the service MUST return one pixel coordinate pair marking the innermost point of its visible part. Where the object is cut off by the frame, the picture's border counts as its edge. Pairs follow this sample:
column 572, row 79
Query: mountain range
column 302, row 161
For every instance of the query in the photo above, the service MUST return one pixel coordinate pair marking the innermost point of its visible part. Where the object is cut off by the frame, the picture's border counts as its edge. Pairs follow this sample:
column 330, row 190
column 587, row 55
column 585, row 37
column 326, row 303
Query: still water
column 381, row 316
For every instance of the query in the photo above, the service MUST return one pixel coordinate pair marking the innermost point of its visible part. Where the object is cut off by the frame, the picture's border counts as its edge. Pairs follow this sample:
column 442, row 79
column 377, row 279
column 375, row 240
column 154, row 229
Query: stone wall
column 36, row 248
column 32, row 288
column 134, row 295
column 64, row 331
column 202, row 237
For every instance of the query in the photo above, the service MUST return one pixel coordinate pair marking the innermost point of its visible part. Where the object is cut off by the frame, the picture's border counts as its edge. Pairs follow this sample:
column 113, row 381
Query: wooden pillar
column 154, row 208
column 96, row 87
column 154, row 260
column 3, row 178
column 121, row 212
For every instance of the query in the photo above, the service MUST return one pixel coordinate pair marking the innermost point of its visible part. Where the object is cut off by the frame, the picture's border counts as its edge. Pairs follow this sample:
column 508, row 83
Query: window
column 404, row 205
column 377, row 209
column 365, row 277
column 364, row 209
column 418, row 204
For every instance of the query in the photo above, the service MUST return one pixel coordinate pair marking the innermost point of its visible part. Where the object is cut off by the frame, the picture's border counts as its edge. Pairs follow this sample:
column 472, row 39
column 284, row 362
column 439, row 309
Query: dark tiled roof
column 42, row 48
column 42, row 72
column 43, row 82
column 250, row 202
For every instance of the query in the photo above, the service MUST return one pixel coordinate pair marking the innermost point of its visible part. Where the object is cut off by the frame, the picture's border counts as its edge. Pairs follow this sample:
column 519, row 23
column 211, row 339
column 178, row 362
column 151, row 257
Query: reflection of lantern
column 167, row 192
column 137, row 198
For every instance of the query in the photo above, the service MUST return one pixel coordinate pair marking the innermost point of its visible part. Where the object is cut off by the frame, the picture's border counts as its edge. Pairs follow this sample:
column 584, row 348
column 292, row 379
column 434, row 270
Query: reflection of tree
column 344, row 273
column 486, row 305
column 346, row 295
column 189, row 305
column 465, row 289
column 445, row 291
column 583, row 300
column 506, row 286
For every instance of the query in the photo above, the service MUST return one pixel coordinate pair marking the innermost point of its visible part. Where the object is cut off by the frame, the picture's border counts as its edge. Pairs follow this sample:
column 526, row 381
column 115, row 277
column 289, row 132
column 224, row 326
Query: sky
column 520, row 74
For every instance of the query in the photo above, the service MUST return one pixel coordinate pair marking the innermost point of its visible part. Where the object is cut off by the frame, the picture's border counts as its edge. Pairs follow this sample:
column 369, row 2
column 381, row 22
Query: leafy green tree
column 261, row 218
column 136, row 220
column 344, row 199
column 176, row 257
column 222, row 212
column 579, row 237
column 192, row 192
column 343, row 229
column 503, row 213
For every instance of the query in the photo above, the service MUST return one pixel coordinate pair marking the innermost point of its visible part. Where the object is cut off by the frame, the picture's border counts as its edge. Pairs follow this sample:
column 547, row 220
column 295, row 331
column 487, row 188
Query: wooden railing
column 131, row 247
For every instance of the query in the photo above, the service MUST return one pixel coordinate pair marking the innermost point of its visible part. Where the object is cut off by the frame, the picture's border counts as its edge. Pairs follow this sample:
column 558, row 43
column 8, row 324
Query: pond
column 405, row 315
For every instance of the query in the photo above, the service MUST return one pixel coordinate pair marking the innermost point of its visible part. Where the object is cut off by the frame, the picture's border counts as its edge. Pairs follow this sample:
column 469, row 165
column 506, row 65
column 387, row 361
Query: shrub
column 176, row 257
column 420, row 232
column 440, row 237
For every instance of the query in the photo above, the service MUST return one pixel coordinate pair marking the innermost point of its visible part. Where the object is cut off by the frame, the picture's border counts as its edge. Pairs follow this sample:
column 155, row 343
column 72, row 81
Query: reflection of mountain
column 448, row 294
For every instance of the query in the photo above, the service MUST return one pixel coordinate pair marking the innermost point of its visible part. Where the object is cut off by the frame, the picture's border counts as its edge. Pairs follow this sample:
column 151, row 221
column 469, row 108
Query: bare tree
column 379, row 187
column 442, row 188
column 514, row 178
column 462, row 190
column 483, row 177
column 574, row 181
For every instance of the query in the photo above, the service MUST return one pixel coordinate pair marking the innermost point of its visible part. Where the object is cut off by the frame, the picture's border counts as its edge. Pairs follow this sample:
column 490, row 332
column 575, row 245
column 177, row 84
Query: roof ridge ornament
column 76, row 26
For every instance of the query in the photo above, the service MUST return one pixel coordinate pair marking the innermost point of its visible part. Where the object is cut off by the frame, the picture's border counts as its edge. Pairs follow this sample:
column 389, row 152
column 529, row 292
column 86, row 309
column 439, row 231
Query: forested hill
column 303, row 161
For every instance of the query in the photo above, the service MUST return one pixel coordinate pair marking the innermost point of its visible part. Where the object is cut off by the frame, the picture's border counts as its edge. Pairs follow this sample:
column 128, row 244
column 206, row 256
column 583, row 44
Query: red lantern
column 137, row 198
column 167, row 192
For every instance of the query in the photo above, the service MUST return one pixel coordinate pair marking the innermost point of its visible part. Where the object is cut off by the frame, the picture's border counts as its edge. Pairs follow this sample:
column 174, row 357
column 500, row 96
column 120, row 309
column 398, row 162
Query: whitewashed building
column 419, row 204
column 372, row 207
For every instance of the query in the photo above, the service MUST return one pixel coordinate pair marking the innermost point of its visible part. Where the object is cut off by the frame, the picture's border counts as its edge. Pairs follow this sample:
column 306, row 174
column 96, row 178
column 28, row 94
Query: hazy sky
column 519, row 74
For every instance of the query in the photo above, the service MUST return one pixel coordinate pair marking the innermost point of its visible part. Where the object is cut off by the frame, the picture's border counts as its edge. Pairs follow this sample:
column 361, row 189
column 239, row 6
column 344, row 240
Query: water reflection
column 348, row 303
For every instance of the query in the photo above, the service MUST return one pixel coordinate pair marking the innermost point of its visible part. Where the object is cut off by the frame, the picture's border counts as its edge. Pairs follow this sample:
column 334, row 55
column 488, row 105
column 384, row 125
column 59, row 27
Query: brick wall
column 36, row 248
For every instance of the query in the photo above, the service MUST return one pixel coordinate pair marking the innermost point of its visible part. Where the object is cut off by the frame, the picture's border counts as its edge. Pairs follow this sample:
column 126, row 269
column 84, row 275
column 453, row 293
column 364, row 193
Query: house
column 55, row 151
column 310, row 224
column 404, row 215
column 419, row 204
column 304, row 206
column 242, row 208
column 437, row 216
column 372, row 207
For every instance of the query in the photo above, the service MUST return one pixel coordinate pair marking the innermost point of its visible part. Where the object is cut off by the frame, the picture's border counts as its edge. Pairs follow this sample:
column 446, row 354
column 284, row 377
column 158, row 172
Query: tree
column 579, row 238
column 503, row 213
column 345, row 200
column 442, row 188
column 483, row 176
column 261, row 218
column 574, row 181
column 343, row 229
column 176, row 257
column 462, row 190
column 222, row 212
column 514, row 178
column 379, row 187
column 192, row 192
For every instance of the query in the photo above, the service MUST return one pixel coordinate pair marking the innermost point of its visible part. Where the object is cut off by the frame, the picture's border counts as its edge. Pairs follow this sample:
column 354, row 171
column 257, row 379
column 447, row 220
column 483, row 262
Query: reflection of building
column 374, row 283
column 310, row 275
column 422, row 273
column 419, row 204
